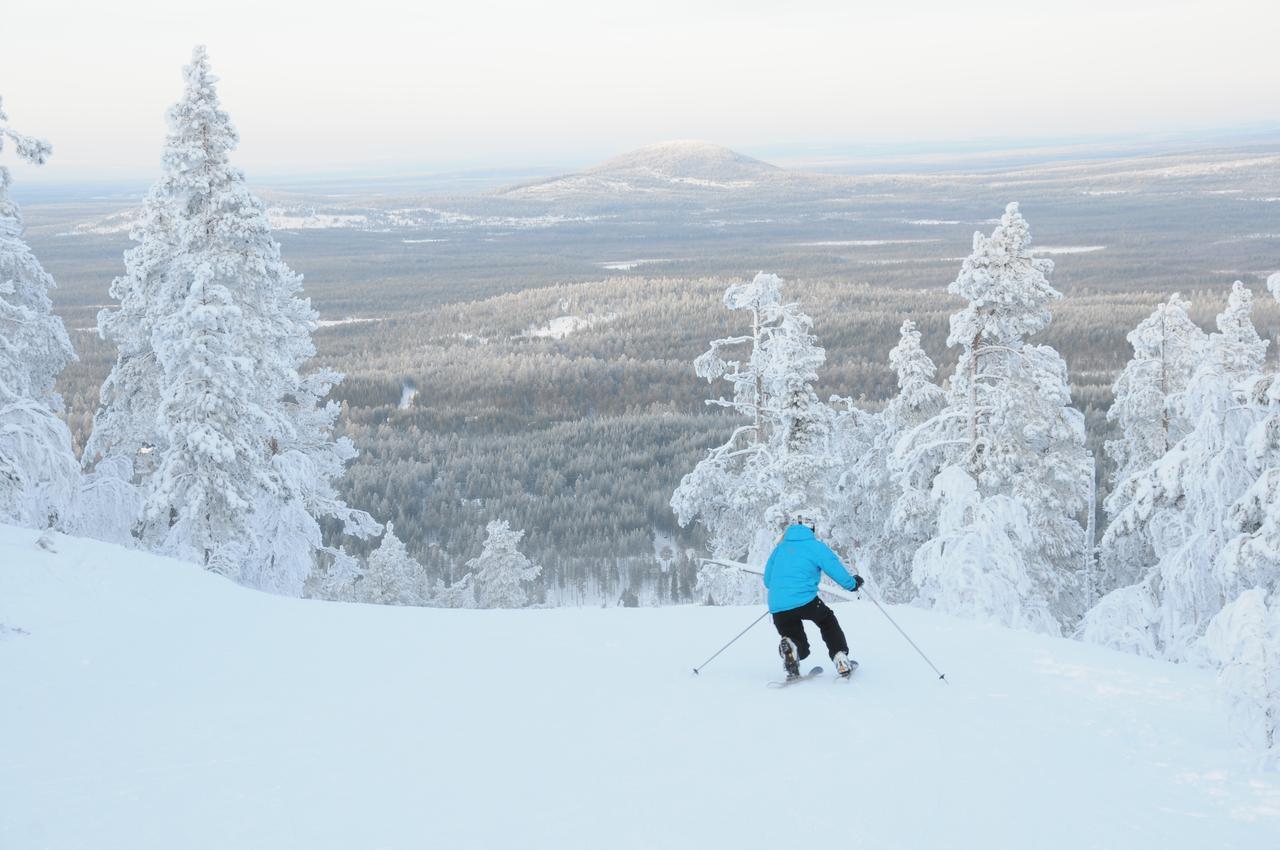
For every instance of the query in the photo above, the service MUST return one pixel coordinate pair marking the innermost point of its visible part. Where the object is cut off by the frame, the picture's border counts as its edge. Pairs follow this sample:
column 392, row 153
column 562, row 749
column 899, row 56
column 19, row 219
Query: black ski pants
column 790, row 624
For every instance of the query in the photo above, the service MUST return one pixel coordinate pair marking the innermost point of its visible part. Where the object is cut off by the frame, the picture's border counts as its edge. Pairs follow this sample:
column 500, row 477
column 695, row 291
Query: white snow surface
column 561, row 326
column 1067, row 249
column 148, row 704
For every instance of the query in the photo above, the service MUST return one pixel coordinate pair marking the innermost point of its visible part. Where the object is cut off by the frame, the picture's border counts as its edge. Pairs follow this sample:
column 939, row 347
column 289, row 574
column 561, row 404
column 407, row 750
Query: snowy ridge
column 156, row 698
column 687, row 161
column 666, row 167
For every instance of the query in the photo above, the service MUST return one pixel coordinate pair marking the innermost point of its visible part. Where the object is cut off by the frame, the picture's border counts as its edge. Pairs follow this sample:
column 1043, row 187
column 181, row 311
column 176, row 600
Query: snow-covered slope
column 146, row 704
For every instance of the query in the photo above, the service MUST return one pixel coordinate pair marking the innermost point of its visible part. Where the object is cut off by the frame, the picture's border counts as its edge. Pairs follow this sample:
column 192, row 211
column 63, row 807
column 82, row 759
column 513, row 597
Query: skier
column 791, row 576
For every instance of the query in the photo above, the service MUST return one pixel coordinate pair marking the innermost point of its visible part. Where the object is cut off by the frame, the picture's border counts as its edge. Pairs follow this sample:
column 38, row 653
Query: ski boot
column 844, row 666
column 787, row 649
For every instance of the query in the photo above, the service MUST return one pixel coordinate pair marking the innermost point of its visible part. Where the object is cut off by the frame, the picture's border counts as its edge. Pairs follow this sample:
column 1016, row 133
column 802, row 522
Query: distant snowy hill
column 685, row 160
column 147, row 704
column 669, row 168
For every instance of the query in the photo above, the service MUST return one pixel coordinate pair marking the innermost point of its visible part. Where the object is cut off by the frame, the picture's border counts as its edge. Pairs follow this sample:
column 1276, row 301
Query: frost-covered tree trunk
column 229, row 437
column 1008, row 427
column 501, row 571
column 39, row 476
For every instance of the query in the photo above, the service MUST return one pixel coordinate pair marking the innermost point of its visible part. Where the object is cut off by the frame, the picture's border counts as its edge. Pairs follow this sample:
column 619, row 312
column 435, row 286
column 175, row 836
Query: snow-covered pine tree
column 213, row 340
column 722, row 492
column 782, row 459
column 1009, row 426
column 1184, row 501
column 39, row 476
column 802, row 432
column 1240, row 350
column 1243, row 639
column 501, row 571
column 392, row 576
column 1167, row 349
column 1251, row 557
column 870, row 489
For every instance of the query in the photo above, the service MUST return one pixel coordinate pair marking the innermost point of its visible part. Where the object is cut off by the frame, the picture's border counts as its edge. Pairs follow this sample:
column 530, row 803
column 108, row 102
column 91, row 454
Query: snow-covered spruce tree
column 1183, row 503
column 1167, row 349
column 392, row 576
column 306, row 461
column 213, row 339
column 1243, row 639
column 501, row 571
column 1008, row 425
column 126, row 423
column 39, row 476
column 867, row 525
column 1251, row 557
column 782, row 458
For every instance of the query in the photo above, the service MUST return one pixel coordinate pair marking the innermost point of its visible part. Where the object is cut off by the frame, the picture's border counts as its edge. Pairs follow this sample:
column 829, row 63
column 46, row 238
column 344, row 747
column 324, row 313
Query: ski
column 816, row 671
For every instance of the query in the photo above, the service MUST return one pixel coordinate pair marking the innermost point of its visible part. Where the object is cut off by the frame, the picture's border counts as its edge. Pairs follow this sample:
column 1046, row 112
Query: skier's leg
column 832, row 634
column 790, row 625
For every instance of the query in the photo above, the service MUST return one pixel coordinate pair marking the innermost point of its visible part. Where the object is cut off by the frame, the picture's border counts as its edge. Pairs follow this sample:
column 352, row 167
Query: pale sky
column 388, row 85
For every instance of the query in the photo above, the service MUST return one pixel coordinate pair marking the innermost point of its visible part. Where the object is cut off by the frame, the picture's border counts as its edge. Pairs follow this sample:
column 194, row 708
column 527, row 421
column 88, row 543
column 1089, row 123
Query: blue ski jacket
column 796, row 566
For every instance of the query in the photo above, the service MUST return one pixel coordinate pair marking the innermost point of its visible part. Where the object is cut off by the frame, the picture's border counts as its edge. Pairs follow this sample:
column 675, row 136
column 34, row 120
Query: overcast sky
column 389, row 85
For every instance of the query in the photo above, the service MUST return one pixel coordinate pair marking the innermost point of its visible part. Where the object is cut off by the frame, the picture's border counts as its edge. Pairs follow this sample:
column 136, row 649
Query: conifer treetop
column 200, row 132
column 1237, row 347
column 1008, row 289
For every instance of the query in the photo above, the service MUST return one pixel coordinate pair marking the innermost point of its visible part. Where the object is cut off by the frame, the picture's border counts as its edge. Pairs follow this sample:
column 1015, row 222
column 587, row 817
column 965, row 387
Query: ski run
column 150, row 705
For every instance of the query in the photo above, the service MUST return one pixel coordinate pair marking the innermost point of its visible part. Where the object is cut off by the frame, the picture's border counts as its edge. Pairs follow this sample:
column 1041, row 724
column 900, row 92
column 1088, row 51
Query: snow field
column 152, row 705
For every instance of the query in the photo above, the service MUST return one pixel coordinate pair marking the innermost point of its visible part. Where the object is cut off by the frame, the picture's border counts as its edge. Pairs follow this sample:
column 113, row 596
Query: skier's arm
column 768, row 570
column 830, row 564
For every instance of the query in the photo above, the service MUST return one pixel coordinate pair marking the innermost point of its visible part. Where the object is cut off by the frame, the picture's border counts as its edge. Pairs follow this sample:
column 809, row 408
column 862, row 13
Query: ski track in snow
column 151, row 705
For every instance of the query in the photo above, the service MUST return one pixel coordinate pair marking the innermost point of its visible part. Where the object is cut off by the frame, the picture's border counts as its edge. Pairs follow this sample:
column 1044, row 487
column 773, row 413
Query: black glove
column 857, row 583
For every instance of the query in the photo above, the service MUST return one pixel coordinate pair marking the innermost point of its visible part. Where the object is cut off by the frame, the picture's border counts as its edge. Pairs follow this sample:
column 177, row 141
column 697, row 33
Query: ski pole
column 730, row 643
column 941, row 675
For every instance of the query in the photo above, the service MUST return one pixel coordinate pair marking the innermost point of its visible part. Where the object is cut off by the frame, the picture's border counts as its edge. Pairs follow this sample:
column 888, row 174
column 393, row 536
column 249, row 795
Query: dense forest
column 579, row 437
